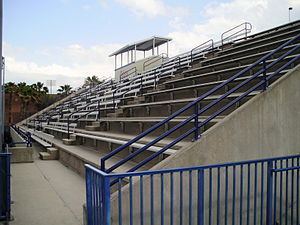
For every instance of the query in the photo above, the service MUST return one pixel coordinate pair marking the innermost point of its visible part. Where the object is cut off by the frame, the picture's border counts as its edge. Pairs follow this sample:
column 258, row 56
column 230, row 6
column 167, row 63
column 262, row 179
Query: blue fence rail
column 252, row 192
column 5, row 186
column 268, row 68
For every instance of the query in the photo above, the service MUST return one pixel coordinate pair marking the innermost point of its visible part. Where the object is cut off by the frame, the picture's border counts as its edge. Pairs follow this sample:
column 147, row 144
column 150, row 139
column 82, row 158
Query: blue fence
column 259, row 192
column 5, row 186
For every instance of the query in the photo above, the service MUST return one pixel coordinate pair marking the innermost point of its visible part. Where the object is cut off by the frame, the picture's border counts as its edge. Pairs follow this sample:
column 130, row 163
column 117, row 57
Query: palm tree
column 93, row 80
column 11, row 89
column 65, row 89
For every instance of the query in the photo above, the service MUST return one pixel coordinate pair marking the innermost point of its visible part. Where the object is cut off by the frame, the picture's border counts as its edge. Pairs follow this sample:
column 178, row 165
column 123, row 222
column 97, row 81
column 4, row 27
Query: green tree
column 92, row 81
column 65, row 89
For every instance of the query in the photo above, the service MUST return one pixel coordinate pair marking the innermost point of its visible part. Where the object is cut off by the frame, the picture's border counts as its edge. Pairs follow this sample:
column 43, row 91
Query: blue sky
column 67, row 40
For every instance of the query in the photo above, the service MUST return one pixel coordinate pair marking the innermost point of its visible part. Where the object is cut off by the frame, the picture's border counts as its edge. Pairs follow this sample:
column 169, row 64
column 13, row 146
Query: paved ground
column 46, row 193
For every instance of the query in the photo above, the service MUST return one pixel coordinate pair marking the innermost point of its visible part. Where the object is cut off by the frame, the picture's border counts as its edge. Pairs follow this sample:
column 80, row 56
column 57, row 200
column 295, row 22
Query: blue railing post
column 8, row 197
column 88, row 195
column 196, row 122
column 265, row 85
column 106, row 200
column 269, row 208
column 200, row 209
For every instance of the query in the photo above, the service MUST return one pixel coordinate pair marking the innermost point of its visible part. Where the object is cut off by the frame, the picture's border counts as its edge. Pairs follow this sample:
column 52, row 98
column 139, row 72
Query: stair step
column 53, row 152
column 45, row 156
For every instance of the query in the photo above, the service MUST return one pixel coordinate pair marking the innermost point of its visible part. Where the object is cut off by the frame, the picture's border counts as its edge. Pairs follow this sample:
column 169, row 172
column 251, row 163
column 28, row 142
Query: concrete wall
column 21, row 154
column 266, row 126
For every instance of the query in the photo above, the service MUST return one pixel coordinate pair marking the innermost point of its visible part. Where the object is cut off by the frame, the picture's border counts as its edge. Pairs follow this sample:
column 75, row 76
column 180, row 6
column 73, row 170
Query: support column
column 168, row 48
column 1, row 83
column 134, row 52
column 153, row 46
column 121, row 59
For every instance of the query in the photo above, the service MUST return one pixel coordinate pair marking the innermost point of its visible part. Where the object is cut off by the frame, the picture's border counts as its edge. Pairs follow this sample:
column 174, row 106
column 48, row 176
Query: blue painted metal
column 5, row 196
column 199, row 194
column 289, row 47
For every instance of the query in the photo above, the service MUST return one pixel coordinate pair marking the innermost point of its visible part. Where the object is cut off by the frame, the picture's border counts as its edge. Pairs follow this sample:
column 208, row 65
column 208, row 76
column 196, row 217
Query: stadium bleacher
column 101, row 118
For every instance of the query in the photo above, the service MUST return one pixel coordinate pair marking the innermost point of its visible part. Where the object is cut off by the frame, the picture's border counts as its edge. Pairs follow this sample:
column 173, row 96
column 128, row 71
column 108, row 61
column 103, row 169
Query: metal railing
column 150, row 61
column 5, row 197
column 236, row 32
column 263, row 81
column 69, row 121
column 264, row 191
column 140, row 78
column 128, row 72
column 206, row 46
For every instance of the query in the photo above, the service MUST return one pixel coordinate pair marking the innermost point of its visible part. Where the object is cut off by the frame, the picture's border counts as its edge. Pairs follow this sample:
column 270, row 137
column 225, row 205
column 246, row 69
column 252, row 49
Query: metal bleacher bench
column 61, row 127
column 42, row 138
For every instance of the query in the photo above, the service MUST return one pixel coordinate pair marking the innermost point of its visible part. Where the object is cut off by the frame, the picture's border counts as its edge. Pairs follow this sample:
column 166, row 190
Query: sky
column 68, row 40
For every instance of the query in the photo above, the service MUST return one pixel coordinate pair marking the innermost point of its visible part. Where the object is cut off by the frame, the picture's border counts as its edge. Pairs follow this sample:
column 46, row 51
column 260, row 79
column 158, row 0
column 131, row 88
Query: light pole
column 290, row 9
column 1, row 81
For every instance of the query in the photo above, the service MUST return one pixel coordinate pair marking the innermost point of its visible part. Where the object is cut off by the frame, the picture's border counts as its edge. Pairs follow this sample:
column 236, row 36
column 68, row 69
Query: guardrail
column 5, row 198
column 98, row 109
column 240, row 30
column 128, row 72
column 264, row 191
column 263, row 81
column 150, row 61
column 206, row 46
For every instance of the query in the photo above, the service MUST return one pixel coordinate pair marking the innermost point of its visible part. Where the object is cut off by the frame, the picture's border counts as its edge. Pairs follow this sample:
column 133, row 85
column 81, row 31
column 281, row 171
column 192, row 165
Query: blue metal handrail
column 198, row 112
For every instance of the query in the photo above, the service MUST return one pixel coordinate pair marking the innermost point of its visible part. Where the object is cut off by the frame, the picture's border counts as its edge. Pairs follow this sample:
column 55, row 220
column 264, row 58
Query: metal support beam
column 153, row 46
column 1, row 82
column 121, row 59
column 168, row 48
column 135, row 53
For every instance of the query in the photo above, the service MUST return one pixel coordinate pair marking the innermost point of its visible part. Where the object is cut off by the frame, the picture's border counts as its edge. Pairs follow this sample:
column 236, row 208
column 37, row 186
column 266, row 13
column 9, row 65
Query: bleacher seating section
column 108, row 115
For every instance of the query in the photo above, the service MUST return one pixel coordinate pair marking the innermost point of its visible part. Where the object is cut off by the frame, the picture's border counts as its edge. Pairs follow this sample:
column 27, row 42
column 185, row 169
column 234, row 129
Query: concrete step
column 45, row 156
column 117, row 113
column 53, row 152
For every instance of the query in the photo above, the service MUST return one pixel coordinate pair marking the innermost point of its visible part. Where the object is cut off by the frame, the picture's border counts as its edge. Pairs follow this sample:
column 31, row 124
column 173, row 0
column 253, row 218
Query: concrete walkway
column 46, row 193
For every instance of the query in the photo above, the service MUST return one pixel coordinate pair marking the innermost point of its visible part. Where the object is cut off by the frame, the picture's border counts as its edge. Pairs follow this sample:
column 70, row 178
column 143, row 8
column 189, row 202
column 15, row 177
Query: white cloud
column 219, row 17
column 71, row 64
column 153, row 8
